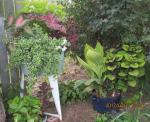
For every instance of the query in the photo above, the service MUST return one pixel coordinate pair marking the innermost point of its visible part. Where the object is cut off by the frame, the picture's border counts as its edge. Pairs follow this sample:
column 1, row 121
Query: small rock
column 53, row 119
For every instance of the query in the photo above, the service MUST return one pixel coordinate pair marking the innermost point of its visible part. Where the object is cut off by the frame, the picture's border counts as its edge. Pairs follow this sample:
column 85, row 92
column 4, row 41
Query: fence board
column 2, row 111
column 4, row 74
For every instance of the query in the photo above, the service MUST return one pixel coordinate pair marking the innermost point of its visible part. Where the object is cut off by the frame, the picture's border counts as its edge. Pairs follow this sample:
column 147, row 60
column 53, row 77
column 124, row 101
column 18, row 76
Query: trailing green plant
column 39, row 53
column 70, row 94
column 95, row 66
column 26, row 109
column 125, row 67
column 42, row 7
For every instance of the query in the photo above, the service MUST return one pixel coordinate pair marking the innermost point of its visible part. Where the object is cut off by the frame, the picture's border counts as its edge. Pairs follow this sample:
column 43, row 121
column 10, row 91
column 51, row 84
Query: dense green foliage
column 37, row 52
column 125, row 67
column 26, row 109
column 42, row 7
column 112, row 20
column 70, row 94
column 113, row 70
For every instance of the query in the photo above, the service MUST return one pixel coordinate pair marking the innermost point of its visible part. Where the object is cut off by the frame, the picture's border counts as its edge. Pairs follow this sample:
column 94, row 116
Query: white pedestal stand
column 55, row 89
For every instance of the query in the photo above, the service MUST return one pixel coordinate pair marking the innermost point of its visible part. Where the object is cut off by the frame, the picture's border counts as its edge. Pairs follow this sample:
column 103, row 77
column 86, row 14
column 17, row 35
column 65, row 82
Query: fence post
column 4, row 73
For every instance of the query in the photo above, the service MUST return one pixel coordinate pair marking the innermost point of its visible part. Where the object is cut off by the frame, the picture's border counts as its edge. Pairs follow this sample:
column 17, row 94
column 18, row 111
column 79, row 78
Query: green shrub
column 26, row 109
column 112, row 21
column 70, row 94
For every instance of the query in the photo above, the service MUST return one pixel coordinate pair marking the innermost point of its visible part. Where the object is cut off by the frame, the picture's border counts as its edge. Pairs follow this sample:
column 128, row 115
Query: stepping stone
column 53, row 119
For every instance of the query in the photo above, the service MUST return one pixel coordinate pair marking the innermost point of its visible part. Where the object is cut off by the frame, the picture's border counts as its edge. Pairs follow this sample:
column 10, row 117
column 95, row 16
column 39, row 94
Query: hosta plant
column 26, row 109
column 125, row 66
column 95, row 66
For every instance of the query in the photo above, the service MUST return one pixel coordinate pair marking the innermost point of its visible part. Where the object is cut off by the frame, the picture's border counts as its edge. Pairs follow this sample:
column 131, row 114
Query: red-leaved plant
column 68, row 29
column 50, row 20
column 56, row 28
column 72, row 32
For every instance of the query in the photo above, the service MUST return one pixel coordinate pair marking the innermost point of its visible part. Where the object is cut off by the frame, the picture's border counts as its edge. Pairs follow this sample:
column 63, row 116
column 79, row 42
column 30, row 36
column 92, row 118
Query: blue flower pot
column 101, row 104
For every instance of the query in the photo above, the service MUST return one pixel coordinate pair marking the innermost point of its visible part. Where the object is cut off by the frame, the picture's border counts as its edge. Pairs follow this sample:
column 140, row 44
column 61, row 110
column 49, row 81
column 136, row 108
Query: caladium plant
column 15, row 26
column 16, row 22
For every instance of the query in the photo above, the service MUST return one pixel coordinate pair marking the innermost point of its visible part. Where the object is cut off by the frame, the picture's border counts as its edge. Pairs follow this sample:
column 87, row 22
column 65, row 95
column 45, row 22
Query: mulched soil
column 76, row 112
column 79, row 112
column 72, row 71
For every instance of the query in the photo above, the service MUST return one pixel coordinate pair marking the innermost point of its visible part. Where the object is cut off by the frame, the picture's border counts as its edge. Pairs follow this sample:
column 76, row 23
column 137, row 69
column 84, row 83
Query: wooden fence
column 7, row 76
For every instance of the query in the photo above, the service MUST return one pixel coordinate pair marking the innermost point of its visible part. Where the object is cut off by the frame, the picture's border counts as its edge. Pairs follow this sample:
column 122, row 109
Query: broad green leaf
column 121, row 86
column 99, row 49
column 95, row 68
column 79, row 83
column 87, row 48
column 17, row 118
column 111, row 77
column 31, row 120
column 132, row 83
column 89, row 82
column 125, row 65
column 121, row 53
column 138, row 50
column 111, row 68
column 125, row 47
column 134, row 73
column 88, row 89
column 23, row 110
column 122, row 74
column 134, row 65
column 142, row 63
column 85, row 65
column 112, row 50
column 129, row 57
column 141, row 72
column 94, row 57
column 147, row 115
